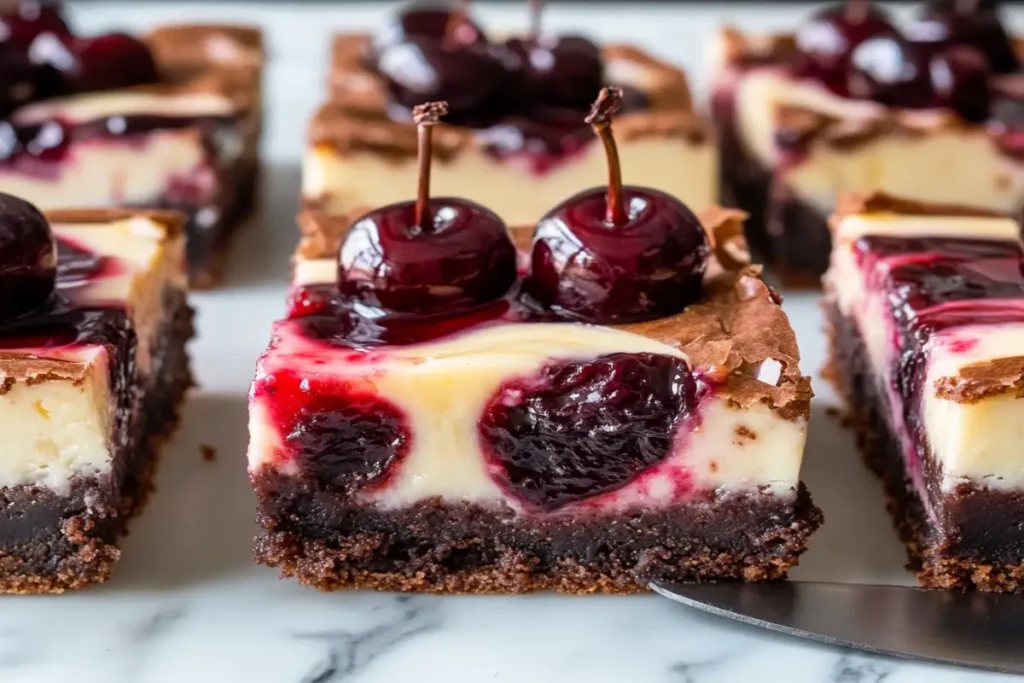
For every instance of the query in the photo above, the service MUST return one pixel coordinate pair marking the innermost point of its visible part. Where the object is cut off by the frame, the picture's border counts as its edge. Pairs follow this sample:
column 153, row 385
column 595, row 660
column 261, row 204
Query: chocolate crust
column 466, row 548
column 978, row 541
column 355, row 117
column 736, row 328
column 51, row 543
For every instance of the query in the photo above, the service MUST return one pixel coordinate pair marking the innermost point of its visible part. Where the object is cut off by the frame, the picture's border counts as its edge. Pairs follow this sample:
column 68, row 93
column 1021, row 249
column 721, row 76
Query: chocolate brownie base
column 50, row 543
column 465, row 548
column 788, row 234
column 977, row 542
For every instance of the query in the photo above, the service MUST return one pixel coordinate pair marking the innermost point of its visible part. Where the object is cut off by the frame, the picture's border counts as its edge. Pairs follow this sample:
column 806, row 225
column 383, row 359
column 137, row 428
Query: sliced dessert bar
column 93, row 364
column 508, row 449
column 171, row 121
column 926, row 319
column 849, row 101
column 517, row 142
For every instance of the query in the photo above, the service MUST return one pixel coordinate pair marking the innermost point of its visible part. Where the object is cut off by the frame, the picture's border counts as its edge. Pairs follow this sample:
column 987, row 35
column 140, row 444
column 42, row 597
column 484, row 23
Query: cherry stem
column 426, row 116
column 607, row 104
column 458, row 17
column 857, row 11
column 536, row 10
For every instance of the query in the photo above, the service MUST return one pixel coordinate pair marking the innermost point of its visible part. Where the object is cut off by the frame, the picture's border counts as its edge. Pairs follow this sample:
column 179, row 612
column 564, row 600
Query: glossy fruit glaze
column 41, row 58
column 526, row 97
column 948, row 56
column 934, row 284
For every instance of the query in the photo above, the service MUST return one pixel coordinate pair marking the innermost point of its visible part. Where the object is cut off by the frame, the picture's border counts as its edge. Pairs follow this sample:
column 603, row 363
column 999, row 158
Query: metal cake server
column 980, row 630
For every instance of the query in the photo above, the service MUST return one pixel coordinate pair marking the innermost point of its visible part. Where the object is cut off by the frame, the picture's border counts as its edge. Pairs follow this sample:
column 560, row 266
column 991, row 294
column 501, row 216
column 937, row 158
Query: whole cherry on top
column 35, row 39
column 943, row 24
column 617, row 254
column 28, row 257
column 559, row 71
column 827, row 39
column 428, row 256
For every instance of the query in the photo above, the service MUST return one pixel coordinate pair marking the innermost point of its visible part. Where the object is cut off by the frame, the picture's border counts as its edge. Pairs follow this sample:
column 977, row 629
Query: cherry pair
column 611, row 255
column 944, row 59
column 430, row 54
column 41, row 57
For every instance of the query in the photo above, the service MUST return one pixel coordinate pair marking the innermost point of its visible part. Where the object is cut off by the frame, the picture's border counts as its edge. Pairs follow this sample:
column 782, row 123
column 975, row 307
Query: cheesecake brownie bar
column 925, row 308
column 94, row 321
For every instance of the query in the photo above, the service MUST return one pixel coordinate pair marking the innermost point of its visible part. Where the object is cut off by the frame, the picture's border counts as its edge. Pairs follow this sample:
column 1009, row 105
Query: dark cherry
column 20, row 24
column 342, row 437
column 430, row 21
column 21, row 81
column 826, row 41
column 28, row 257
column 618, row 254
column 427, row 256
column 580, row 429
column 420, row 70
column 966, row 22
column 560, row 71
column 114, row 60
column 960, row 77
column 892, row 71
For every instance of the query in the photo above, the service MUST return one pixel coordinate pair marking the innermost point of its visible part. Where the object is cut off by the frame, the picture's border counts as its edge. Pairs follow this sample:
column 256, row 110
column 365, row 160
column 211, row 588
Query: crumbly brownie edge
column 51, row 543
column 785, row 232
column 967, row 555
column 433, row 547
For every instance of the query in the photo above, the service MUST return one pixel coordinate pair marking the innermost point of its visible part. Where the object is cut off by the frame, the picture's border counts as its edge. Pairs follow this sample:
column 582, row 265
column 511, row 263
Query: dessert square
column 93, row 366
column 925, row 316
column 519, row 153
column 805, row 116
column 169, row 120
column 508, row 448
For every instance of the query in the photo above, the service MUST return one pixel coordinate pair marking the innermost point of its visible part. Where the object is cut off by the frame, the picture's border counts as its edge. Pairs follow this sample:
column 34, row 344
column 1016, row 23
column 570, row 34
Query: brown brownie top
column 852, row 203
column 225, row 59
column 355, row 118
column 736, row 328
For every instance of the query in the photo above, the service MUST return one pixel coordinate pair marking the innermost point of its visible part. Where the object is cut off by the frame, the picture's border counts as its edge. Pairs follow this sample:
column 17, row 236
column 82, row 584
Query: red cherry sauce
column 934, row 284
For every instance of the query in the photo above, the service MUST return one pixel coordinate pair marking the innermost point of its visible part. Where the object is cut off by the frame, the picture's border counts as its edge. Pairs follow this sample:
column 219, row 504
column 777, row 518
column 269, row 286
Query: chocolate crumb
column 745, row 432
column 208, row 452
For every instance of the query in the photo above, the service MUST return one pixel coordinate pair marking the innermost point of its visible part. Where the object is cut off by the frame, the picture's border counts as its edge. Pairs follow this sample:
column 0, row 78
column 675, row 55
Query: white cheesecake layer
column 509, row 187
column 444, row 386
column 974, row 442
column 115, row 172
column 951, row 165
column 55, row 429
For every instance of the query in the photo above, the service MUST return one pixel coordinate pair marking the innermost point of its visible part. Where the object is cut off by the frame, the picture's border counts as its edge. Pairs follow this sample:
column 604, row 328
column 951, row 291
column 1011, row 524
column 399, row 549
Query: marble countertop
column 188, row 604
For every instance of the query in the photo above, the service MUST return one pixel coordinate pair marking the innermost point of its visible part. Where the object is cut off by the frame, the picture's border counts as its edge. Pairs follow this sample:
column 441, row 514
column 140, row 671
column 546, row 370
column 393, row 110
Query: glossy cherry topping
column 826, row 41
column 617, row 254
column 583, row 428
column 435, row 22
column 890, row 70
column 430, row 255
column 114, row 60
column 960, row 79
column 28, row 257
column 23, row 20
column 966, row 22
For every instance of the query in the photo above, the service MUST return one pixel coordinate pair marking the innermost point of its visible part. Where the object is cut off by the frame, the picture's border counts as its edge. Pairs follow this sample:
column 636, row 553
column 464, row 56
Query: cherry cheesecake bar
column 514, row 139
column 93, row 326
column 850, row 103
column 609, row 398
column 170, row 120
column 925, row 305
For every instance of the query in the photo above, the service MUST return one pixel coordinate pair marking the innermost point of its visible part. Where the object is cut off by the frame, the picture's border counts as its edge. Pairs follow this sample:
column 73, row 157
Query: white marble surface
column 188, row 605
